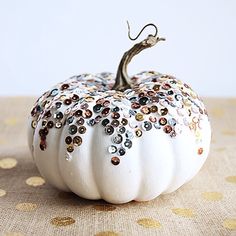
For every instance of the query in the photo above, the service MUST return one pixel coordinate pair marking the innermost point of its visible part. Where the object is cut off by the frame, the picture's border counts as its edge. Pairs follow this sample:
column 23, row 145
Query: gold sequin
column 104, row 207
column 149, row 223
column 229, row 223
column 2, row 192
column 62, row 221
column 35, row 181
column 8, row 163
column 107, row 233
column 212, row 196
column 185, row 212
column 231, row 179
column 26, row 206
column 139, row 117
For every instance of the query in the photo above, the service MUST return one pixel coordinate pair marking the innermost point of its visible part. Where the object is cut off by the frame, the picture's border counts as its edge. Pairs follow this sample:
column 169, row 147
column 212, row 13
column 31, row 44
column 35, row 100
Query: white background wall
column 44, row 42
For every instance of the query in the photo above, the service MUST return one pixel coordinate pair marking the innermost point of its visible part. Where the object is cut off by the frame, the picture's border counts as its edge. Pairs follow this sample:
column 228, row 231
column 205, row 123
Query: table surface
column 29, row 206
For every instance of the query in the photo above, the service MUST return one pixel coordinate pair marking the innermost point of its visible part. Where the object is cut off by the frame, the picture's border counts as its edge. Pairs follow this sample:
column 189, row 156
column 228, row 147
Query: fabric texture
column 30, row 206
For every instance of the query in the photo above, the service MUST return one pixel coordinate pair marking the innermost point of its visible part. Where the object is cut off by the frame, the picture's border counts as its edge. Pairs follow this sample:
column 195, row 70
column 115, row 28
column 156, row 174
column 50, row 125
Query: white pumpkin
column 134, row 140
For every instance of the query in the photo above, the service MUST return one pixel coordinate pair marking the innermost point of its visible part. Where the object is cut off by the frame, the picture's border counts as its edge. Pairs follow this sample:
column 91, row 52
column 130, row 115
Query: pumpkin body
column 119, row 146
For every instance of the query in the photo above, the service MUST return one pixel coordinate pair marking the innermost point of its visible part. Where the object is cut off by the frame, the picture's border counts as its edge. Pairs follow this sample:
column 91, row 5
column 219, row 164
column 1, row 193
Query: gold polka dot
column 229, row 223
column 8, row 163
column 185, row 212
column 26, row 206
column 229, row 132
column 10, row 121
column 62, row 221
column 2, row 192
column 212, row 196
column 231, row 179
column 104, row 207
column 35, row 181
column 149, row 223
column 107, row 233
column 13, row 234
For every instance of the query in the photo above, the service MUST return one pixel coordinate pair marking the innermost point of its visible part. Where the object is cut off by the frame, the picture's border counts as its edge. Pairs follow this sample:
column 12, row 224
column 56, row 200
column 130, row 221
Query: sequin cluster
column 155, row 101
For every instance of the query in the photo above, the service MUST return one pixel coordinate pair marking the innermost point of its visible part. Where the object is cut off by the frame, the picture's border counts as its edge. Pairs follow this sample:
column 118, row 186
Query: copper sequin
column 115, row 160
column 77, row 140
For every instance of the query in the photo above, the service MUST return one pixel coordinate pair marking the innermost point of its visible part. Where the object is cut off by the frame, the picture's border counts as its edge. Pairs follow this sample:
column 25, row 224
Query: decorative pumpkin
column 118, row 138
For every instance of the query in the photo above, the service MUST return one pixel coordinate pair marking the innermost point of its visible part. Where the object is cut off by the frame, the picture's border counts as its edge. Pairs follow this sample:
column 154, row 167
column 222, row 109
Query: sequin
column 129, row 134
column 106, row 103
column 67, row 101
column 157, row 126
column 163, row 111
column 135, row 105
column 115, row 109
column 58, row 105
column 200, row 151
column 138, row 132
column 100, row 101
column 153, row 119
column 141, row 94
column 147, row 125
column 82, row 129
column 143, row 100
column 153, row 109
column 68, row 140
column 124, row 121
column 178, row 97
column 80, row 121
column 50, row 124
column 34, row 124
column 58, row 115
column 97, row 108
column 98, row 118
column 72, row 129
column 128, row 143
column 133, row 124
column 115, row 115
column 84, row 106
column 115, row 123
column 54, row 92
column 77, row 140
column 89, row 99
column 121, row 130
column 91, row 122
column 156, row 87
column 167, row 129
column 105, row 122
column 151, row 93
column 64, row 86
column 115, row 160
column 162, row 121
column 170, row 92
column 87, row 114
column 112, row 149
column 58, row 125
column 43, row 145
column 121, row 151
column 78, row 113
column 75, row 97
column 172, row 121
column 70, row 148
column 145, row 110
column 47, row 114
column 109, row 130
column 139, row 117
column 105, row 111
column 166, row 86
column 117, row 139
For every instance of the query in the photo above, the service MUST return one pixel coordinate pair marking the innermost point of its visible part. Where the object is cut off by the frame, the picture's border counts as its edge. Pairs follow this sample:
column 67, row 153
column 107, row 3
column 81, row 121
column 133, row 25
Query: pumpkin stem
column 122, row 81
